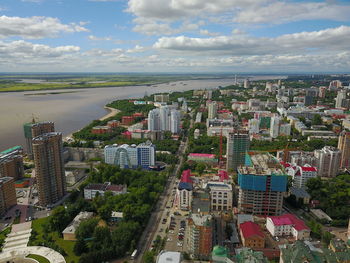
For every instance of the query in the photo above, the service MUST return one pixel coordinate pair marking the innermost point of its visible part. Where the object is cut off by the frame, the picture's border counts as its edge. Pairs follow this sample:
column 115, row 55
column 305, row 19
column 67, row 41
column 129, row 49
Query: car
column 7, row 224
column 161, row 230
column 171, row 231
column 169, row 239
column 182, row 229
column 30, row 218
column 180, row 237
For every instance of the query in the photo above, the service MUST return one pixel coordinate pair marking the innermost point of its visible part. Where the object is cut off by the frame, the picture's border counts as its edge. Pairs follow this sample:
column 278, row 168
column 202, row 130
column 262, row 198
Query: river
column 72, row 111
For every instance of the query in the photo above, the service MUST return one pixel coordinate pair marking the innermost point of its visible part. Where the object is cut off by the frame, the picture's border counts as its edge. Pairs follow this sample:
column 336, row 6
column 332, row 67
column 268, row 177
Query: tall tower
column 175, row 121
column 246, row 84
column 339, row 99
column 237, row 147
column 50, row 177
column 212, row 110
column 7, row 194
column 275, row 126
column 344, row 146
column 32, row 130
column 164, row 118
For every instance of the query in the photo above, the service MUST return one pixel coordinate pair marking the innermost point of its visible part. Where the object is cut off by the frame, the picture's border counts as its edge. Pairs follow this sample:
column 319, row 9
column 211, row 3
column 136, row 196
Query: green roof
column 16, row 148
column 220, row 251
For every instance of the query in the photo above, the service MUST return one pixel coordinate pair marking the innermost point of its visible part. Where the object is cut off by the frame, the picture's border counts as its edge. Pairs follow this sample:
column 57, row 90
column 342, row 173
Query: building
column 275, row 126
column 175, row 119
column 164, row 116
column 91, row 190
column 69, row 232
column 252, row 235
column 220, row 196
column 344, row 147
column 301, row 174
column 7, row 194
column 253, row 126
column 237, row 146
column 161, row 98
column 328, row 161
column 341, row 97
column 130, row 156
column 11, row 163
column 32, row 130
column 49, row 168
column 262, row 183
column 184, row 192
column 200, row 234
column 169, row 257
column 203, row 157
column 246, row 84
column 285, row 129
column 127, row 120
column 154, row 120
column 287, row 225
column 212, row 110
column 246, row 255
column 101, row 130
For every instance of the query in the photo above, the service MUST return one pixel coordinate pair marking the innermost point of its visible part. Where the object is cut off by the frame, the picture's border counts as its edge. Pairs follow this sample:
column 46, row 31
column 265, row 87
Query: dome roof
column 220, row 251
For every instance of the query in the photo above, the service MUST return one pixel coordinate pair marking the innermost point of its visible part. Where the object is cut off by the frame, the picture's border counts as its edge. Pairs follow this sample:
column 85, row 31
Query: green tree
column 86, row 228
column 80, row 247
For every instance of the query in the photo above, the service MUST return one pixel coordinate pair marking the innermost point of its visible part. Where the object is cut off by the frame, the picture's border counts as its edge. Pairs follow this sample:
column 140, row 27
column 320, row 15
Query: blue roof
column 186, row 186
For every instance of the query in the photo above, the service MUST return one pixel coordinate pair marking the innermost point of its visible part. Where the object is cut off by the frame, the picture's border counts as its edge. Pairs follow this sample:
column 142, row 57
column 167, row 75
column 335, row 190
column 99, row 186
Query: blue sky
column 174, row 36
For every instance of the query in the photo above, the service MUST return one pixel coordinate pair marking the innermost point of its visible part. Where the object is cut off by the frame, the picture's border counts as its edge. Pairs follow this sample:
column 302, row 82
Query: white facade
column 212, row 110
column 328, row 161
column 301, row 174
column 146, row 154
column 153, row 120
column 175, row 121
column 277, row 230
column 184, row 199
column 340, row 97
column 275, row 126
column 287, row 227
column 253, row 125
column 221, row 196
column 164, row 118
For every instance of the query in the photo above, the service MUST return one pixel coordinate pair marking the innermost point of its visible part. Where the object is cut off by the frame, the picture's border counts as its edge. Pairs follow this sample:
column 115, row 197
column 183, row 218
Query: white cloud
column 282, row 12
column 95, row 38
column 333, row 39
column 136, row 49
column 36, row 27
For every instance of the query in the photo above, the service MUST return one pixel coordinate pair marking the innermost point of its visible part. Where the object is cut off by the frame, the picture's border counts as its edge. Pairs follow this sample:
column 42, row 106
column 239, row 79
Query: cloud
column 95, row 38
column 333, row 39
column 283, row 12
column 36, row 27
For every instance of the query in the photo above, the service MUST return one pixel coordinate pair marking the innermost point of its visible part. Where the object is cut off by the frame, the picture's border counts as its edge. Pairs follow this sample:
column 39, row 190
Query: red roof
column 289, row 219
column 202, row 155
column 308, row 169
column 186, row 176
column 223, row 175
column 127, row 133
column 250, row 229
column 285, row 164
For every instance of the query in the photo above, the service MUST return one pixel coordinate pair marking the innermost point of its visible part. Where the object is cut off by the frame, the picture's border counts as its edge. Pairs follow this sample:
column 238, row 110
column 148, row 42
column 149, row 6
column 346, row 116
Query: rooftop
column 72, row 227
column 169, row 257
column 250, row 229
column 201, row 220
column 202, row 155
column 262, row 164
column 289, row 219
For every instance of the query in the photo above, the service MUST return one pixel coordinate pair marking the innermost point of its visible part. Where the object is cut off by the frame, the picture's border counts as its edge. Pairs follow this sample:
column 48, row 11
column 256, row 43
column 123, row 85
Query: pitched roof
column 186, row 177
column 308, row 169
column 289, row 219
column 202, row 155
column 250, row 229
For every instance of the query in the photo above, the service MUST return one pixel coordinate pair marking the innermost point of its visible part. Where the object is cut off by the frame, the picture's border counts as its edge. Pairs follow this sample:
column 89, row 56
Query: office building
column 237, row 146
column 154, row 120
column 130, row 156
column 11, row 163
column 184, row 192
column 246, row 84
column 328, row 161
column 32, row 130
column 49, row 167
column 164, row 118
column 175, row 121
column 7, row 194
column 275, row 126
column 220, row 196
column 344, row 147
column 200, row 234
column 91, row 190
column 262, row 183
column 212, row 110
column 253, row 126
column 285, row 129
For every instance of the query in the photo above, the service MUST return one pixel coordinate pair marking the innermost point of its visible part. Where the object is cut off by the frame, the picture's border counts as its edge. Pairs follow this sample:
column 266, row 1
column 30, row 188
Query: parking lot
column 176, row 237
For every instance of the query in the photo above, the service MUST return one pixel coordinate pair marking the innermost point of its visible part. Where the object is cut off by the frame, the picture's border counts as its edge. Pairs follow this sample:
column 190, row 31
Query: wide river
column 72, row 111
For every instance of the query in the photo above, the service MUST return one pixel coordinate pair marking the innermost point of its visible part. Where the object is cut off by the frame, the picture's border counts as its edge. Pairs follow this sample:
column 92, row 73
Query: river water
column 72, row 111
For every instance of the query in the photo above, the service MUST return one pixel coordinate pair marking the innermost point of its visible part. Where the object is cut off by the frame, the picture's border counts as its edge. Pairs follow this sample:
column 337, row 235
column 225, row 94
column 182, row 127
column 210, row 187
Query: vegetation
column 3, row 235
column 334, row 197
column 38, row 258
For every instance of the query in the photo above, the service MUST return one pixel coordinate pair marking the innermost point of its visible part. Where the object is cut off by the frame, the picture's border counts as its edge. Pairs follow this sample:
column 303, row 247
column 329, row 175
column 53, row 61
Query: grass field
column 38, row 258
column 3, row 235
column 67, row 246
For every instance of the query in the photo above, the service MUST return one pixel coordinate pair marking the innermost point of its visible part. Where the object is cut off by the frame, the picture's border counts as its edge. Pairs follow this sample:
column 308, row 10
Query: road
column 150, row 231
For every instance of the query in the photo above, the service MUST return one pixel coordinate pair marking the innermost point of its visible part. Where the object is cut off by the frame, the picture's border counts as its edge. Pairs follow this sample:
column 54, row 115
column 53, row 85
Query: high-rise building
column 301, row 174
column 161, row 98
column 328, row 161
column 344, row 146
column 322, row 92
column 164, row 118
column 200, row 233
column 32, row 130
column 212, row 110
column 253, row 125
column 220, row 196
column 184, row 192
column 285, row 129
column 146, row 154
column 341, row 97
column 11, row 163
column 7, row 194
column 262, row 183
column 237, row 147
column 246, row 84
column 275, row 126
column 154, row 120
column 175, row 121
column 49, row 168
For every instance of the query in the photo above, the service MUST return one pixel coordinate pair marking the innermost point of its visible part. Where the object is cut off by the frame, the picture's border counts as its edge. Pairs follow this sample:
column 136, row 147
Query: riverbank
column 112, row 113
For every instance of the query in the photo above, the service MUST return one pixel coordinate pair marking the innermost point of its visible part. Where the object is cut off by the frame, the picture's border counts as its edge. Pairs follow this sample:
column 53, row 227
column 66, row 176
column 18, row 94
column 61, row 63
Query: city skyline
column 174, row 36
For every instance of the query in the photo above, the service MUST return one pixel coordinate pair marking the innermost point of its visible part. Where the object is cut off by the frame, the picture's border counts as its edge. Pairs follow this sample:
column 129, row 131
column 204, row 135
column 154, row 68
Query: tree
column 316, row 120
column 200, row 167
column 148, row 257
column 80, row 247
column 86, row 228
column 59, row 219
column 228, row 231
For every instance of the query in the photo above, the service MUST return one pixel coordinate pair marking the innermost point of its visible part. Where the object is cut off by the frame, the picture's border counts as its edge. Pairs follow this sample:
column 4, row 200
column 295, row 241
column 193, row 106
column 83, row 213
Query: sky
column 185, row 36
